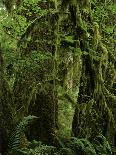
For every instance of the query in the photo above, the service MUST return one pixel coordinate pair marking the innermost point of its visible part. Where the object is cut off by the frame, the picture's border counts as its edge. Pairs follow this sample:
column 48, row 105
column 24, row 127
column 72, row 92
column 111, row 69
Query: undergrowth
column 19, row 145
column 72, row 146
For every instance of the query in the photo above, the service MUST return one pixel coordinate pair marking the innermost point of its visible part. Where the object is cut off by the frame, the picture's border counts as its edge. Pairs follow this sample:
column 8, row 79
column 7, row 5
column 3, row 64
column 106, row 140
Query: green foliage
column 69, row 39
column 32, row 10
column 102, row 146
column 16, row 135
column 72, row 146
column 109, row 29
column 36, row 148
column 82, row 146
column 34, row 62
column 15, row 25
column 53, row 44
column 112, row 8
column 85, row 147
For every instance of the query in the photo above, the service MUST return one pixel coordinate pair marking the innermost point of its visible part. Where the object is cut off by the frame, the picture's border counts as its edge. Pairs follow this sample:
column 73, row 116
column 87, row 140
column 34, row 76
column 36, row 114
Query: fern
column 72, row 146
column 102, row 146
column 16, row 135
column 82, row 146
column 37, row 148
column 65, row 151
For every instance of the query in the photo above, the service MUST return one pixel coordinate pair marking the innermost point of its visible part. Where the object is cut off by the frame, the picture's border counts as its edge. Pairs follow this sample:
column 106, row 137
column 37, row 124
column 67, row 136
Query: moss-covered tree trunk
column 45, row 127
column 93, row 113
column 35, row 89
column 6, row 107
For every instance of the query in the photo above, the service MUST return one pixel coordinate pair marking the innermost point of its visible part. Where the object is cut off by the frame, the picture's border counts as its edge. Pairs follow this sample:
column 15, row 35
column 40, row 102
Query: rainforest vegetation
column 57, row 77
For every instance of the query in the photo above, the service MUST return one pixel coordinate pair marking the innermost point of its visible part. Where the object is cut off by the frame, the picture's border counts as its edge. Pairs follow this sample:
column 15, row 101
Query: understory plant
column 71, row 146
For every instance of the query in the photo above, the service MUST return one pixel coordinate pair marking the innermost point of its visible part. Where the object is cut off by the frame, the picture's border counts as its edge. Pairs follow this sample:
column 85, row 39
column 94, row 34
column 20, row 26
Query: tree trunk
column 46, row 109
column 6, row 111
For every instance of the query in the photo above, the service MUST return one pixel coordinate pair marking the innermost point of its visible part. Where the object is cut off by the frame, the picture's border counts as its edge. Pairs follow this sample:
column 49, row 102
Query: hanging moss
column 66, row 70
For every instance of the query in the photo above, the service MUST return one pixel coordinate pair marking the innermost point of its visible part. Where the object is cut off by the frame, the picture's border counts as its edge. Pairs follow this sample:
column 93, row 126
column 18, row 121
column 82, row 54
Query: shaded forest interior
column 57, row 77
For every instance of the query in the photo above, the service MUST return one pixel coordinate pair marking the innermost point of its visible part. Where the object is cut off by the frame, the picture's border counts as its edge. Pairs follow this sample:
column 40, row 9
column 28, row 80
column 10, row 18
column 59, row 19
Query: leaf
column 69, row 39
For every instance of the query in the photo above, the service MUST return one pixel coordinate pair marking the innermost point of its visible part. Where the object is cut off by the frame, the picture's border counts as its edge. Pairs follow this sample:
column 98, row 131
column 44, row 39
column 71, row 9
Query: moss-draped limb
column 92, row 92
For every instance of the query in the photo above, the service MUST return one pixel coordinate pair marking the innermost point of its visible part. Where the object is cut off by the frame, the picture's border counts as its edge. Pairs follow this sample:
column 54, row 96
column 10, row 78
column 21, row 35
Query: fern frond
column 16, row 135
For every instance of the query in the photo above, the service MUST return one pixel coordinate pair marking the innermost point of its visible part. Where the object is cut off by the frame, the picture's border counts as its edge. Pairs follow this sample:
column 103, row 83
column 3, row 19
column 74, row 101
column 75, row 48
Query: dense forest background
column 57, row 77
